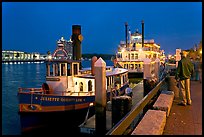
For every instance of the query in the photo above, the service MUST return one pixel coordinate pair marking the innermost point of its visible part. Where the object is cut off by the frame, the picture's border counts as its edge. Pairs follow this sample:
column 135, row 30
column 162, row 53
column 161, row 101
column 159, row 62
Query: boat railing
column 89, row 93
column 33, row 90
column 129, row 59
column 127, row 120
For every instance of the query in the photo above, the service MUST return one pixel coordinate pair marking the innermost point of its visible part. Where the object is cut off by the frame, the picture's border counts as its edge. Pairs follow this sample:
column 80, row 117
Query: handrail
column 125, row 122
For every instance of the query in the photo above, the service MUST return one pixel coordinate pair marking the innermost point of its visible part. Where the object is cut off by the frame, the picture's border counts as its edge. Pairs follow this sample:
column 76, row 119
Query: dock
column 182, row 120
column 89, row 126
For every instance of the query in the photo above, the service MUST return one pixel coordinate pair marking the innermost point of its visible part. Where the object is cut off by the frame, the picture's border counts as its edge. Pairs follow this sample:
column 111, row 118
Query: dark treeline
column 103, row 56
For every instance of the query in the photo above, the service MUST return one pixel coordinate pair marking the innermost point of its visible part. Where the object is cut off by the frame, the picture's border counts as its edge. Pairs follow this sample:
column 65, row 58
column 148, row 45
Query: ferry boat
column 132, row 52
column 69, row 89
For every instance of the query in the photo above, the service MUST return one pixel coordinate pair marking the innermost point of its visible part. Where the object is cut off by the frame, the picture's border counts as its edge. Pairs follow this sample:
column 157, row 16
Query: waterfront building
column 12, row 55
column 64, row 49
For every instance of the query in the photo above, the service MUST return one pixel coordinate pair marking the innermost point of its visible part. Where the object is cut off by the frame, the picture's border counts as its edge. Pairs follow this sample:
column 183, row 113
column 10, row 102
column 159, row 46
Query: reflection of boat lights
column 91, row 104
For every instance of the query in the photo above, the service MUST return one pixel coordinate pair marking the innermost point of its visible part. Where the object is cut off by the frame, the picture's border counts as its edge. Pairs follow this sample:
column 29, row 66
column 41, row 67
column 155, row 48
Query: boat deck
column 89, row 126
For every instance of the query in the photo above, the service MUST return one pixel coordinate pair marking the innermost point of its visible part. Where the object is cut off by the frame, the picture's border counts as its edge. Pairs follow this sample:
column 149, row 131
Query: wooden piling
column 156, row 68
column 100, row 96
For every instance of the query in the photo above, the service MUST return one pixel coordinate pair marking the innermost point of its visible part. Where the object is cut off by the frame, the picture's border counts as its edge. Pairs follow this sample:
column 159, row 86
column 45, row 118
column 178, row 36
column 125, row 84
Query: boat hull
column 50, row 123
column 51, row 112
column 35, row 102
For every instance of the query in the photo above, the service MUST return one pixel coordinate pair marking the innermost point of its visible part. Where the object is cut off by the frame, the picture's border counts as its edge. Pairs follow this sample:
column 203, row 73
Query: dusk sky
column 36, row 26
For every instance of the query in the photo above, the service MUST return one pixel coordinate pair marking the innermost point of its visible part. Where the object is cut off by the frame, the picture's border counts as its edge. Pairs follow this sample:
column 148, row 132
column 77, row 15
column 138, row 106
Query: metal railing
column 126, row 121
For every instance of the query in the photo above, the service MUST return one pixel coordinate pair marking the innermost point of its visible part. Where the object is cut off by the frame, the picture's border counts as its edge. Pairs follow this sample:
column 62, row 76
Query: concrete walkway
column 186, row 120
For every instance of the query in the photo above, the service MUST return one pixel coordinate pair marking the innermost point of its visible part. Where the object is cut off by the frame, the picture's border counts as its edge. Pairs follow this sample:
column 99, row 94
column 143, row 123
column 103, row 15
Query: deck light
column 91, row 104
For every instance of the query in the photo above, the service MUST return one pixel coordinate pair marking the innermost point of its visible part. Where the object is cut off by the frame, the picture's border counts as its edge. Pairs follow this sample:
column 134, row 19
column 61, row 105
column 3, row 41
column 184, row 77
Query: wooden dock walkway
column 186, row 120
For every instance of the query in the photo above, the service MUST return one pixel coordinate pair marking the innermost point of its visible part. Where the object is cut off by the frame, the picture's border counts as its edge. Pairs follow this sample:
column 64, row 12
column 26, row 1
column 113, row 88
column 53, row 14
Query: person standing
column 183, row 74
column 128, row 91
column 200, row 72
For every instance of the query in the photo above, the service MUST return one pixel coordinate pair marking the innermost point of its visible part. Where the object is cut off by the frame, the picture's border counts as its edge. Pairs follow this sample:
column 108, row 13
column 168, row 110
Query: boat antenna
column 142, row 33
column 126, row 33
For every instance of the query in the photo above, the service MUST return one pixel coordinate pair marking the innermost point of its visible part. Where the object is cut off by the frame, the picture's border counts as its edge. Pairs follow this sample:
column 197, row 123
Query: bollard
column 146, row 74
column 157, row 68
column 173, row 86
column 100, row 96
column 121, row 105
column 147, row 68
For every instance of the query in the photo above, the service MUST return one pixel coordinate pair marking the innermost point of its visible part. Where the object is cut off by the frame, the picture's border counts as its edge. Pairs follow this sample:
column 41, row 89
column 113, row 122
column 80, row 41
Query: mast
column 142, row 33
column 126, row 34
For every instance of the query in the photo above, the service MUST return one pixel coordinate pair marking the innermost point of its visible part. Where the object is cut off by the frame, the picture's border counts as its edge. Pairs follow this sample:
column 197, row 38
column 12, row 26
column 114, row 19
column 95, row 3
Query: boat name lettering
column 67, row 99
column 61, row 99
column 49, row 99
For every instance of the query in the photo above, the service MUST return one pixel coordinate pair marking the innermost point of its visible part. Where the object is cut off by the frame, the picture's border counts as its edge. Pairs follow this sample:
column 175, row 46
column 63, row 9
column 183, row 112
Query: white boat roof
column 115, row 71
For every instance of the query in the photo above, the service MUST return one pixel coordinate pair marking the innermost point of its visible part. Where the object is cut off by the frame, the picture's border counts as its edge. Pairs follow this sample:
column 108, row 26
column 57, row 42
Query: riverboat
column 132, row 52
column 69, row 88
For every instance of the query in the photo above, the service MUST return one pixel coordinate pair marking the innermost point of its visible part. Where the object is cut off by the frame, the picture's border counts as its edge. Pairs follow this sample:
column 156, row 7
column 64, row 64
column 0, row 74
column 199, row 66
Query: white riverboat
column 132, row 52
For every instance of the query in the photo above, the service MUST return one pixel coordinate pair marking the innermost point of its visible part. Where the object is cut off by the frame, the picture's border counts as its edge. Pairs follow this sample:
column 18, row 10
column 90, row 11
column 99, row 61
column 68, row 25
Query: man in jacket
column 183, row 74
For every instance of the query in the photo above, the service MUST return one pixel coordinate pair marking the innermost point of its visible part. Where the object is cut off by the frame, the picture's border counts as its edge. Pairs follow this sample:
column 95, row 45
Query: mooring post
column 100, row 96
column 156, row 69
column 147, row 68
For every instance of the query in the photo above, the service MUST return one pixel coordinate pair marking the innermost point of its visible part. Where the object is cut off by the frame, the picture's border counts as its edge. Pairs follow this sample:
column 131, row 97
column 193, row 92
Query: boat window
column 51, row 70
column 90, row 85
column 132, row 66
column 63, row 70
column 134, row 46
column 81, row 86
column 135, row 66
column 75, row 69
column 68, row 70
column 76, row 83
column 107, row 81
column 117, row 79
column 56, row 70
column 128, row 56
column 125, row 65
column 136, row 56
column 47, row 70
column 132, row 56
column 124, row 79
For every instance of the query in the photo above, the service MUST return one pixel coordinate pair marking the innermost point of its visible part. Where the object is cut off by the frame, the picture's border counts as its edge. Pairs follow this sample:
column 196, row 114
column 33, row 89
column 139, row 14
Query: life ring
column 45, row 88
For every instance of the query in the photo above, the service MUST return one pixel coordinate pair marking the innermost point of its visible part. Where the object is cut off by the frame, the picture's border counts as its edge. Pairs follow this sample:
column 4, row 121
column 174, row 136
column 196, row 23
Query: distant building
column 8, row 55
column 64, row 49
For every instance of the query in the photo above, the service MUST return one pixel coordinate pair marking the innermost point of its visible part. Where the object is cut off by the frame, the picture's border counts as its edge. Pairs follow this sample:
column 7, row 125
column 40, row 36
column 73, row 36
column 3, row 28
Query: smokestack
column 93, row 60
column 142, row 33
column 126, row 33
column 76, row 33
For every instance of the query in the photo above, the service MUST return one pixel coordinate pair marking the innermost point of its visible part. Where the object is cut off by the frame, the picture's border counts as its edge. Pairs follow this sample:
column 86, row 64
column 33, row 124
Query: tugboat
column 69, row 90
column 132, row 52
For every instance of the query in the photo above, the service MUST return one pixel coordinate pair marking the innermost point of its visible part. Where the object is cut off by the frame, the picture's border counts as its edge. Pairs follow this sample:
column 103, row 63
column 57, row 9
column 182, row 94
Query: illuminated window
column 132, row 56
column 81, row 86
column 136, row 56
column 90, row 85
